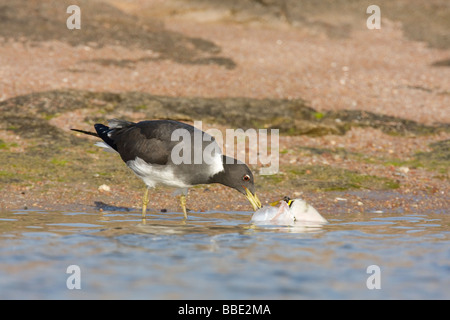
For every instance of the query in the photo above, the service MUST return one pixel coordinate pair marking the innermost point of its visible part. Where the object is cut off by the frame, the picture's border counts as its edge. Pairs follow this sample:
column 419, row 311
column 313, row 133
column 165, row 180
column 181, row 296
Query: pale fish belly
column 298, row 211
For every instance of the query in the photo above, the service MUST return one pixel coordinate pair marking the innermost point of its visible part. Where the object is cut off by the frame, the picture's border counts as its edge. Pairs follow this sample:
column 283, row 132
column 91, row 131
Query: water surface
column 220, row 255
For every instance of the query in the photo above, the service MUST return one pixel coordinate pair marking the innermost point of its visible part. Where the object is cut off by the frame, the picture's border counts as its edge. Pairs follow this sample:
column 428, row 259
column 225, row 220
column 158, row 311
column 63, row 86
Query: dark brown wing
column 149, row 140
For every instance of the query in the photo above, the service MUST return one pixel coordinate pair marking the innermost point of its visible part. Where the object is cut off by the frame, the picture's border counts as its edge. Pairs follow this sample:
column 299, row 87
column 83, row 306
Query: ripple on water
column 222, row 256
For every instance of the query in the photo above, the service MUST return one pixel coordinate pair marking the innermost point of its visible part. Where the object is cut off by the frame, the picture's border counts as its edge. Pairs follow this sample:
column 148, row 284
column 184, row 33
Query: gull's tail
column 87, row 132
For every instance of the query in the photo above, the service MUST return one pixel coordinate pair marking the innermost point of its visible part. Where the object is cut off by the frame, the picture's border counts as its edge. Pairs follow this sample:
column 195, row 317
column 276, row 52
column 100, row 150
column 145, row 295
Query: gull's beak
column 254, row 201
column 275, row 203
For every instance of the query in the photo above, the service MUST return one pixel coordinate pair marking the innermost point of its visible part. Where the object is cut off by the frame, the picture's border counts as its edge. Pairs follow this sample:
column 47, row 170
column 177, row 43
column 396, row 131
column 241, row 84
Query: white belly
column 156, row 174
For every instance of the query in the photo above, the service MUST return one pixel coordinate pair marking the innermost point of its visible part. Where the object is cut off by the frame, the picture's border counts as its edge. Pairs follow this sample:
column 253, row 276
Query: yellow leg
column 144, row 203
column 183, row 205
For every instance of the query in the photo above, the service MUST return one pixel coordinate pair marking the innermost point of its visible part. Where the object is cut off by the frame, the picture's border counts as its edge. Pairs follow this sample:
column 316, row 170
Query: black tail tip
column 85, row 132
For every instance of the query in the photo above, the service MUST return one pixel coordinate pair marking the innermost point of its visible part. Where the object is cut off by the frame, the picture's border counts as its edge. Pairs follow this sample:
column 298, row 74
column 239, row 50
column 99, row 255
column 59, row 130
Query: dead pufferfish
column 288, row 212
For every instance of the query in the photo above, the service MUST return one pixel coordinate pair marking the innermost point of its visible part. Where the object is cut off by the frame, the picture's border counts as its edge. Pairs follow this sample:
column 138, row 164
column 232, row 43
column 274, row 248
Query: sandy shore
column 197, row 51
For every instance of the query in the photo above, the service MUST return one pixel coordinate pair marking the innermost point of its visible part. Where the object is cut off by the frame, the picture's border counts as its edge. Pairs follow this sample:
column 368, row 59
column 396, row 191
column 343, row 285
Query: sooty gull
column 174, row 154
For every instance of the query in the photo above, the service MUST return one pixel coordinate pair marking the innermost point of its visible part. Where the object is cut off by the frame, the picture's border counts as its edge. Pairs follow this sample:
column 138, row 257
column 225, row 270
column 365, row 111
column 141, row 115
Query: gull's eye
column 246, row 177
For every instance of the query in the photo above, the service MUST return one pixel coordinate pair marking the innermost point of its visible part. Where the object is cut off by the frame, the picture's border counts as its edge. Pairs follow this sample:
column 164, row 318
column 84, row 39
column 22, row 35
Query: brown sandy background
column 370, row 109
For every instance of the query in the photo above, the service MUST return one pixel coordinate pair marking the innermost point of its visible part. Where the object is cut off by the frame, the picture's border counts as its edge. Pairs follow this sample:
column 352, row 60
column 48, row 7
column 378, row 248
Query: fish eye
column 246, row 177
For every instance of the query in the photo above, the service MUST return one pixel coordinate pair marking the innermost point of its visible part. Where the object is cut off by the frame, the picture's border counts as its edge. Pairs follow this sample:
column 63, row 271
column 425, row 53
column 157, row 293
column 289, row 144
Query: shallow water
column 217, row 255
